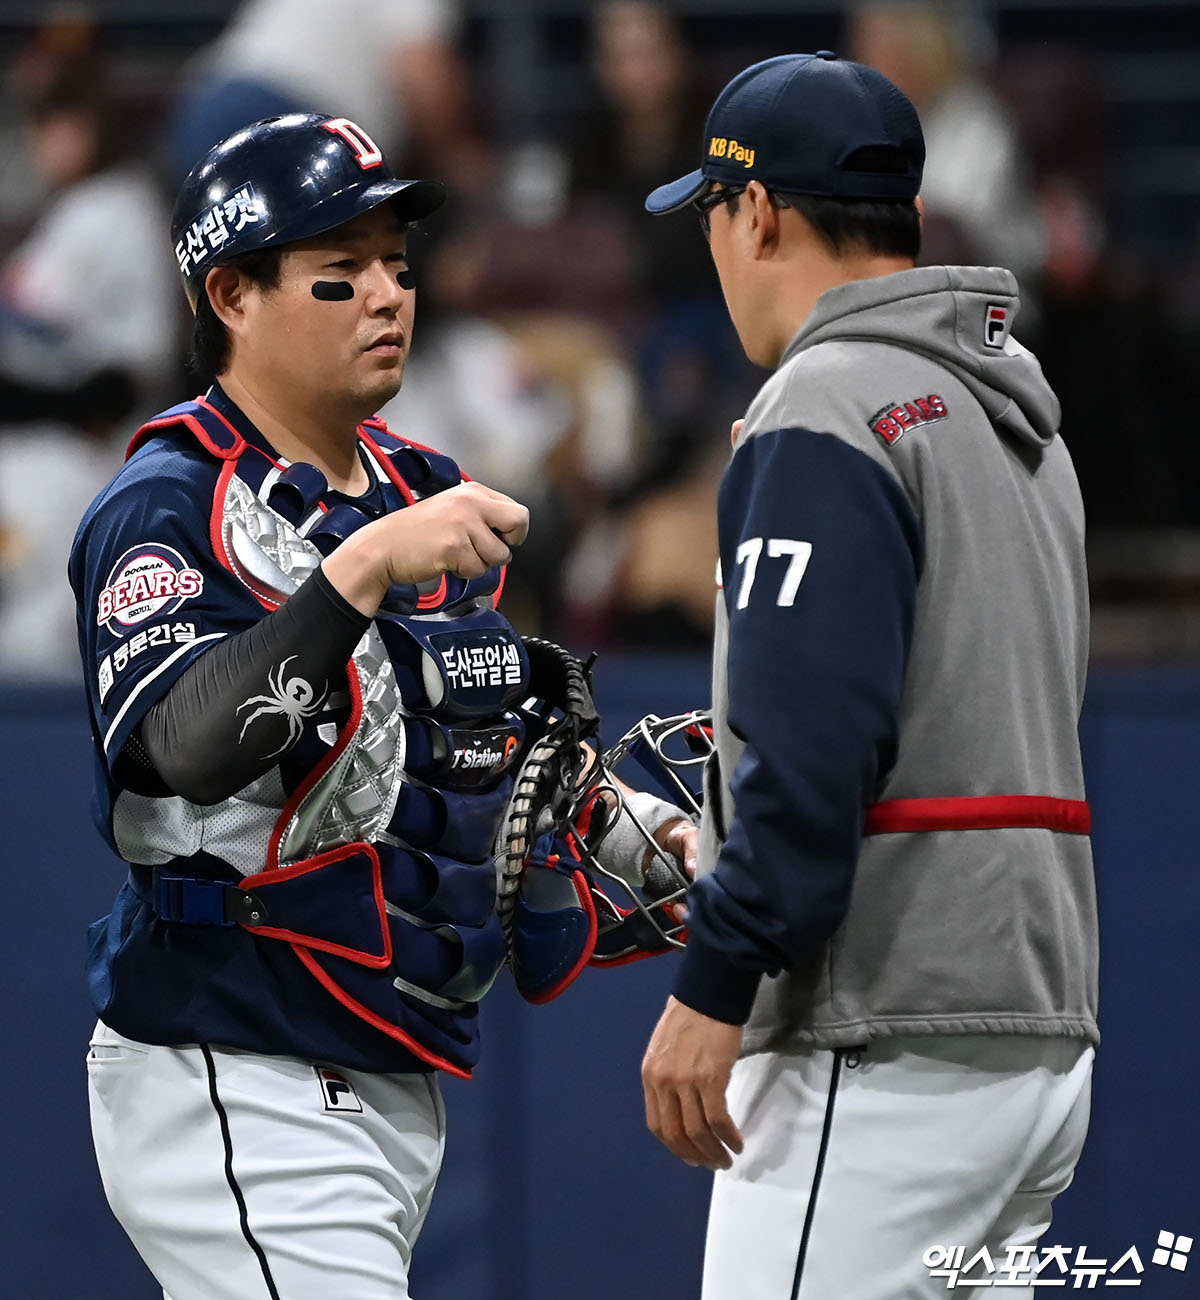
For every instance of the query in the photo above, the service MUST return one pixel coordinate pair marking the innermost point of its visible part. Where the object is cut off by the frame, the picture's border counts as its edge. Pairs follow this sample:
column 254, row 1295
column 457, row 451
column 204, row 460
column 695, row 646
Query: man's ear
column 762, row 219
column 919, row 204
column 226, row 289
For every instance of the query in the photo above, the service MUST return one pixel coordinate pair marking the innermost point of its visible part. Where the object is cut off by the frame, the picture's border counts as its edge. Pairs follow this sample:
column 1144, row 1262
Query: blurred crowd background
column 569, row 349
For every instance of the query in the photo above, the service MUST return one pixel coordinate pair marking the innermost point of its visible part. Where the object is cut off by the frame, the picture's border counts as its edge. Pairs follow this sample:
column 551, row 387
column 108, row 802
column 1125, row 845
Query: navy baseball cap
column 795, row 122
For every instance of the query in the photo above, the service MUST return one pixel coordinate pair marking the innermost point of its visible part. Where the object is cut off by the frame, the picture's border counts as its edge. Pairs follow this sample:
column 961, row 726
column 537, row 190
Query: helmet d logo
column 366, row 151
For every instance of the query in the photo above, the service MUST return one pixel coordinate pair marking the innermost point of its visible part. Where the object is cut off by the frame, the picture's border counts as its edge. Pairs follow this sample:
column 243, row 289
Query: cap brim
column 412, row 200
column 678, row 194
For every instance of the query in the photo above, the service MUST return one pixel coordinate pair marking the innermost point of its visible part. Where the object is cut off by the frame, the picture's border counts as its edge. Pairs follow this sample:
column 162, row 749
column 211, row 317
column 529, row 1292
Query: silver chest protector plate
column 355, row 799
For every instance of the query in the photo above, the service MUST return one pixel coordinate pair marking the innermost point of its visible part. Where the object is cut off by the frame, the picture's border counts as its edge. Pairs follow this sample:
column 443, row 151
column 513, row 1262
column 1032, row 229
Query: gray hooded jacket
column 908, row 392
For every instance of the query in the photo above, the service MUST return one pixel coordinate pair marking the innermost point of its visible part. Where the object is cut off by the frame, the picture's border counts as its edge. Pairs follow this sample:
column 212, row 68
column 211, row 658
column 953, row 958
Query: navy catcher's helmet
column 280, row 180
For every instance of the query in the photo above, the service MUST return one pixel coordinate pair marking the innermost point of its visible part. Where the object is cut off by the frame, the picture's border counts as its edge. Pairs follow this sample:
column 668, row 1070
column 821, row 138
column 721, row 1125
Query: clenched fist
column 465, row 530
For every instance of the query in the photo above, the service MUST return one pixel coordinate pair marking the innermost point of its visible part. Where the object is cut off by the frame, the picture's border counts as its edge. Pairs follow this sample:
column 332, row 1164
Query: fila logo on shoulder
column 337, row 1092
column 995, row 326
column 366, row 151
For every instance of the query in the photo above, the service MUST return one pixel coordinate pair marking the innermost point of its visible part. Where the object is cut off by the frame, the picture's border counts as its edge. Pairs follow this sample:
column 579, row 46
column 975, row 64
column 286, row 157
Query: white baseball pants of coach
column 247, row 1177
column 857, row 1163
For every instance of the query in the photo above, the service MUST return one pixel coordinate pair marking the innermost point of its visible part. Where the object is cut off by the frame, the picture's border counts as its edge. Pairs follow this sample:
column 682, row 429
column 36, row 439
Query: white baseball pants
column 856, row 1164
column 246, row 1177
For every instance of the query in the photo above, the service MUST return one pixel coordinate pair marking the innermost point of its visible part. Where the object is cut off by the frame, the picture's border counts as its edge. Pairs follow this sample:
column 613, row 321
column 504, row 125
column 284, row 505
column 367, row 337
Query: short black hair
column 887, row 227
column 210, row 339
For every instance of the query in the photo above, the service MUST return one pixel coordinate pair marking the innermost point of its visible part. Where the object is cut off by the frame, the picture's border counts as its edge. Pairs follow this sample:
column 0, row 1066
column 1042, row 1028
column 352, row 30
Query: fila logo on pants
column 337, row 1092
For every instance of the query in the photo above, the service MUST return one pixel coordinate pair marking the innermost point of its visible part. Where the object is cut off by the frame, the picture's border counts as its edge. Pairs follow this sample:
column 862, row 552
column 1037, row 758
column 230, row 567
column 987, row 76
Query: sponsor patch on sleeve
column 892, row 421
column 148, row 581
column 104, row 678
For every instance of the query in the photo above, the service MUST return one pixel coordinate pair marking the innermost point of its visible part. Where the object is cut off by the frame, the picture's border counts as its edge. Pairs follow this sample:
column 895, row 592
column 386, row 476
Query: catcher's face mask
column 607, row 837
column 584, row 865
column 642, row 785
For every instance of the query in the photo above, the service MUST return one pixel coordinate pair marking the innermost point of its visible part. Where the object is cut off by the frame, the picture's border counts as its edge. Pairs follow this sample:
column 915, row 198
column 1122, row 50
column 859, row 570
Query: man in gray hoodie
column 882, row 1031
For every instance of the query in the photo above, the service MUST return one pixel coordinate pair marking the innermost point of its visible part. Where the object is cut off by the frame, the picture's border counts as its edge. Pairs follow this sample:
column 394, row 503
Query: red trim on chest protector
column 345, row 736
column 432, row 599
column 277, row 875
column 435, row 598
column 195, row 428
column 979, row 813
column 216, row 539
column 241, row 442
column 381, row 426
column 365, row 1013
column 199, row 432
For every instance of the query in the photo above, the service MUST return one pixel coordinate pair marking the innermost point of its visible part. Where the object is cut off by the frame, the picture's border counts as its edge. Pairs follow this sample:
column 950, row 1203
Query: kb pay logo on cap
column 720, row 147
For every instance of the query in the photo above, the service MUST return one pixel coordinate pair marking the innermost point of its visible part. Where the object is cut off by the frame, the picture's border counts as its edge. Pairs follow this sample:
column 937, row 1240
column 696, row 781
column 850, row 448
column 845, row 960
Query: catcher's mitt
column 582, row 876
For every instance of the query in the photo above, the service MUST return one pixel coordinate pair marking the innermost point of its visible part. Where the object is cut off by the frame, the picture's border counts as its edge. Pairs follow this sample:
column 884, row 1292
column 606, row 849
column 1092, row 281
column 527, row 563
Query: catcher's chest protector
column 378, row 870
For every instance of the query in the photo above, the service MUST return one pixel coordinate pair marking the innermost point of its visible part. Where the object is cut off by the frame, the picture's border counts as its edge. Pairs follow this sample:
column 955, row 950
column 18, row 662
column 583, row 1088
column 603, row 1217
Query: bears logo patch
column 147, row 581
column 891, row 421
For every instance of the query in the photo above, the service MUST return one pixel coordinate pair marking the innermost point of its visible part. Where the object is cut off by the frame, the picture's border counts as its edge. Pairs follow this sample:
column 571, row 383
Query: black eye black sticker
column 333, row 290
column 343, row 290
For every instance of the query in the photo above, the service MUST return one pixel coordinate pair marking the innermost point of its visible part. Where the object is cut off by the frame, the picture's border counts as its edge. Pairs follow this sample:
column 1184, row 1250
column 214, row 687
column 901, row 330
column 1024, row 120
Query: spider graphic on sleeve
column 291, row 698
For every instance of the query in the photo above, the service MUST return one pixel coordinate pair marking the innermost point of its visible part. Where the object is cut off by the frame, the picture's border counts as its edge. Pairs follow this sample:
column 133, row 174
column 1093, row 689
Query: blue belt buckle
column 190, row 900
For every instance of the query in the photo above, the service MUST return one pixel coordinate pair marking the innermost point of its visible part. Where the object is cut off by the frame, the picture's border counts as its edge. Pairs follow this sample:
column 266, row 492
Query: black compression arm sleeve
column 203, row 737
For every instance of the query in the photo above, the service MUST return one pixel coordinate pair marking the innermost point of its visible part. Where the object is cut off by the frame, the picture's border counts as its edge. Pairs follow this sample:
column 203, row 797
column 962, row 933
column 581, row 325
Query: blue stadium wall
column 551, row 1186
